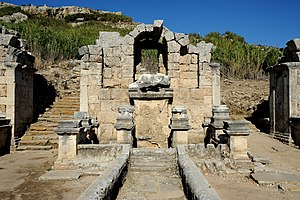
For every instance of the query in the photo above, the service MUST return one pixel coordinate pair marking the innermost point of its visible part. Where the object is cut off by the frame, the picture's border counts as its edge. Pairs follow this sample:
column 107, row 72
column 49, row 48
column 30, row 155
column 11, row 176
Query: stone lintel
column 179, row 127
column 68, row 131
column 127, row 127
column 163, row 93
column 237, row 127
column 69, row 124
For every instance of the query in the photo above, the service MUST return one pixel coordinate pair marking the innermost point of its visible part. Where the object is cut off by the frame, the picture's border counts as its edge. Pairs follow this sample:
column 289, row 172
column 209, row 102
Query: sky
column 265, row 22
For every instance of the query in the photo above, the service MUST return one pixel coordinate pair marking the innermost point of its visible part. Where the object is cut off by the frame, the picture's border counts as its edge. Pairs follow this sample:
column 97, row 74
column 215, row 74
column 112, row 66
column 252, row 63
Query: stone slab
column 266, row 178
column 62, row 175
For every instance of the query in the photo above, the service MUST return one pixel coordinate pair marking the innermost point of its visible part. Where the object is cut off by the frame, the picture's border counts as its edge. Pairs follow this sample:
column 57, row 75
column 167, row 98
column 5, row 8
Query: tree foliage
column 238, row 58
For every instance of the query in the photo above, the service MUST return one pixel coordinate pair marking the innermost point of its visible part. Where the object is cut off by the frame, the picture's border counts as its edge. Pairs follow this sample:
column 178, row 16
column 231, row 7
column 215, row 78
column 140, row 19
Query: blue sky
column 266, row 22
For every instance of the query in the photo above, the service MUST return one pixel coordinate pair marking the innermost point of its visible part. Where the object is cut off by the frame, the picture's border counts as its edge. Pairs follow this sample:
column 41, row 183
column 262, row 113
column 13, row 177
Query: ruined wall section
column 106, row 72
column 108, row 68
column 16, row 81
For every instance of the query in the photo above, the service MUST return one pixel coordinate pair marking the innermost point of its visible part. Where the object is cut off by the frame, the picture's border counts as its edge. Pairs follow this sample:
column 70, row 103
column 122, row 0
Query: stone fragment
column 158, row 23
column 184, row 41
column 148, row 81
column 169, row 35
column 173, row 47
column 83, row 50
column 272, row 178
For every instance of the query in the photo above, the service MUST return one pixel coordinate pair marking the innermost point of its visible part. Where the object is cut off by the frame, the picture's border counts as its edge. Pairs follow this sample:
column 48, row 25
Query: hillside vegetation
column 238, row 58
column 52, row 40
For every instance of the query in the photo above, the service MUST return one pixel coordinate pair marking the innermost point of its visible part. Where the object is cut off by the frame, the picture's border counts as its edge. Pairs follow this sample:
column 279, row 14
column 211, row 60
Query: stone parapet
column 107, row 185
column 194, row 183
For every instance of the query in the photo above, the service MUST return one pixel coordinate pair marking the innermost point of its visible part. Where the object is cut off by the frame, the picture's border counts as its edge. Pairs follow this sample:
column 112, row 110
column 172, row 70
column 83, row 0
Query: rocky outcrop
column 14, row 18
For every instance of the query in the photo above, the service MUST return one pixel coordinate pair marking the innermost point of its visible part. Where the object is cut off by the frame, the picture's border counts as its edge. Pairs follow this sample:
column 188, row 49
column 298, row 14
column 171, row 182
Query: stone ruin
column 284, row 101
column 113, row 76
column 16, row 83
column 150, row 88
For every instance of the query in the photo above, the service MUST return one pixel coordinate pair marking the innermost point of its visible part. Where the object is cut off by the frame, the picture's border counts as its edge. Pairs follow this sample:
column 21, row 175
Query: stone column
column 125, row 125
column 237, row 131
column 68, row 132
column 216, row 95
column 179, row 125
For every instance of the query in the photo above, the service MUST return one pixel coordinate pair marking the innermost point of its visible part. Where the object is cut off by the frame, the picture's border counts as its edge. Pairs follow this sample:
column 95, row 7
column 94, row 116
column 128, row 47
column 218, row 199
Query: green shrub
column 9, row 10
column 239, row 59
column 54, row 39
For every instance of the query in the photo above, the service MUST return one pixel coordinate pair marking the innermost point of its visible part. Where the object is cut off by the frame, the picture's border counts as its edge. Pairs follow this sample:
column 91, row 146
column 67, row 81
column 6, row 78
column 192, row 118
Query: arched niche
column 150, row 53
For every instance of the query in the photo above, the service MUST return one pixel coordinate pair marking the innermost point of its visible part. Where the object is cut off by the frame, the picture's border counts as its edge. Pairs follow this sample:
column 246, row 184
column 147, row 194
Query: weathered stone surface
column 14, row 18
column 158, row 23
column 148, row 81
column 273, row 178
column 83, row 50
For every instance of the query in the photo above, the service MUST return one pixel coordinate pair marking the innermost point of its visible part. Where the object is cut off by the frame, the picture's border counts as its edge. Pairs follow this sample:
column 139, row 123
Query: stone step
column 34, row 143
column 25, row 148
column 47, row 132
column 157, row 169
column 53, row 136
column 154, row 152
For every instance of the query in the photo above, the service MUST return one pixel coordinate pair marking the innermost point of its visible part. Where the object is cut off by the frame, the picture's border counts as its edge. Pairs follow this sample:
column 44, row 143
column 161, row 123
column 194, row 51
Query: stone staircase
column 40, row 135
column 152, row 174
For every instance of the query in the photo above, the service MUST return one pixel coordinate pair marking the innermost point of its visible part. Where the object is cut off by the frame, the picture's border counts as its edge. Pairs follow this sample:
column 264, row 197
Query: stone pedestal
column 220, row 114
column 124, row 125
column 179, row 125
column 68, row 132
column 89, row 124
column 237, row 132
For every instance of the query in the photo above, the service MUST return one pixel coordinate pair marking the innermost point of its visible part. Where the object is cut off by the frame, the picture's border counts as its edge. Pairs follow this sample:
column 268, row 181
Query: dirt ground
column 19, row 173
column 238, row 186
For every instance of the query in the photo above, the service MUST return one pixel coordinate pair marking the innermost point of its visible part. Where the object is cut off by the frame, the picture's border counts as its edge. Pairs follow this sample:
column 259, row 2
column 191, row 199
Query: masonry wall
column 16, row 82
column 109, row 67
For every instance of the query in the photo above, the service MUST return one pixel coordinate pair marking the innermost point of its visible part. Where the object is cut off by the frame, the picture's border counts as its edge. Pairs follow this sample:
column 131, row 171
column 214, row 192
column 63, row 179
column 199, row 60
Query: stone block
column 128, row 40
column 127, row 71
column 127, row 61
column 134, row 33
column 238, row 147
column 83, row 50
column 185, row 59
column 107, row 72
column 3, row 90
column 117, row 93
column 104, row 94
column 112, row 61
column 93, row 99
column 158, row 23
column 188, row 75
column 173, row 47
column 127, row 50
column 174, row 57
column 184, row 41
column 189, row 83
column 109, row 39
column 173, row 73
column 94, row 49
column 106, row 133
column 192, row 49
column 105, row 106
column 95, row 58
column 148, row 28
column 174, row 65
column 169, row 35
column 141, row 27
